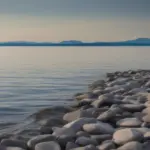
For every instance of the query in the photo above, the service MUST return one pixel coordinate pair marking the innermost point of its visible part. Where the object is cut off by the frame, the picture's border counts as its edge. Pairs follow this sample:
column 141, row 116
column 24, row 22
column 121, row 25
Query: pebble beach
column 114, row 114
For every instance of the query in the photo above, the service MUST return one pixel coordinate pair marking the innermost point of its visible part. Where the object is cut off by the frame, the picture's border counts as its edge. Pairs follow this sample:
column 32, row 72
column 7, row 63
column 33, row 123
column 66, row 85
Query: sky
column 86, row 20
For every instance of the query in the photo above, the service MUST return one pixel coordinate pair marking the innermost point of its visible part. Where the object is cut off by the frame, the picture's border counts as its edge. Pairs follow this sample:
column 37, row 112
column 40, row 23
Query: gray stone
column 89, row 113
column 147, row 136
column 103, row 99
column 107, row 145
column 14, row 143
column 146, row 118
column 132, row 84
column 129, row 122
column 82, row 133
column 88, row 147
column 83, row 141
column 131, row 146
column 142, row 130
column 48, row 146
column 132, row 107
column 67, row 132
column 52, row 122
column 118, row 81
column 10, row 148
column 71, row 145
column 39, row 139
column 146, row 145
column 147, row 84
column 78, row 124
column 99, row 83
column 124, row 136
column 138, row 115
column 107, row 115
column 46, row 130
column 102, row 137
column 146, row 111
column 98, row 128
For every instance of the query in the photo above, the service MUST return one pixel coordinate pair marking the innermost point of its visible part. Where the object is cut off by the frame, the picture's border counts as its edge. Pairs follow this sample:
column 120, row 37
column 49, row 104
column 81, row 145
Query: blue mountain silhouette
column 134, row 42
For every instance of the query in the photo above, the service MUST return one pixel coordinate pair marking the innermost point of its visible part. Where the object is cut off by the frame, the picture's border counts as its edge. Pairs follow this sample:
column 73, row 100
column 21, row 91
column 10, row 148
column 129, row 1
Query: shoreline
column 113, row 114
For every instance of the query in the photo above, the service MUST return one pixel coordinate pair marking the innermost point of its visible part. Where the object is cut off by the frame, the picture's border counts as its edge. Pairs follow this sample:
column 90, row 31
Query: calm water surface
column 32, row 78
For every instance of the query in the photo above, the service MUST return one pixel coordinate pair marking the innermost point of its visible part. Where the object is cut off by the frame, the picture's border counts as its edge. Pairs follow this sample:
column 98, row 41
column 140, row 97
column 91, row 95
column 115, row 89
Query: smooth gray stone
column 83, row 141
column 147, row 135
column 147, row 84
column 82, row 133
column 53, row 122
column 71, row 145
column 46, row 130
column 124, row 136
column 146, row 118
column 66, row 132
column 132, row 107
column 103, row 99
column 107, row 145
column 88, row 147
column 131, row 146
column 14, row 143
column 109, row 114
column 39, row 139
column 48, row 146
column 98, row 128
column 146, row 111
column 99, row 83
column 71, row 116
column 142, row 130
column 118, row 81
column 10, row 148
column 146, row 145
column 138, row 115
column 129, row 122
column 77, row 125
column 102, row 137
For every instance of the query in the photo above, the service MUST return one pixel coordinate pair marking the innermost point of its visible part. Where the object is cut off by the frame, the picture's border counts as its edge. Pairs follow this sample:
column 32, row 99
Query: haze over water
column 33, row 78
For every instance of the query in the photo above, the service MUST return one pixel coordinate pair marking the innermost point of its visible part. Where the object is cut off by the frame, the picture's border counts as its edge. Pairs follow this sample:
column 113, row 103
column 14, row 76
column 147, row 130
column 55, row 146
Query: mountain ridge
column 134, row 42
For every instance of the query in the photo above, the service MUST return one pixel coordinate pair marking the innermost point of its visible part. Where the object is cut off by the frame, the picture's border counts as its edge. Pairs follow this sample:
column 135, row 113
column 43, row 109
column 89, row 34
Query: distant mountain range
column 134, row 42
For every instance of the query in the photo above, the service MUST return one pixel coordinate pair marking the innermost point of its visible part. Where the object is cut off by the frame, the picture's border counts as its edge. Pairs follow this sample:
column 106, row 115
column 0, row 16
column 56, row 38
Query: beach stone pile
column 113, row 115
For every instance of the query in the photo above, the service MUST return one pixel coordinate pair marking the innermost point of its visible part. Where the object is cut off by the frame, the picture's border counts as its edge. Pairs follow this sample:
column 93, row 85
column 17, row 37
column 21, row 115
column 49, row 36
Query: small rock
column 88, row 147
column 146, row 118
column 39, row 139
column 147, row 136
column 99, row 83
column 82, row 133
column 67, row 132
column 101, row 138
column 48, row 146
column 99, row 128
column 132, row 107
column 46, row 130
column 77, row 125
column 71, row 145
column 79, row 114
column 83, row 141
column 124, row 136
column 10, row 148
column 107, row 115
column 129, row 122
column 131, row 146
column 107, row 145
column 14, row 143
column 146, row 145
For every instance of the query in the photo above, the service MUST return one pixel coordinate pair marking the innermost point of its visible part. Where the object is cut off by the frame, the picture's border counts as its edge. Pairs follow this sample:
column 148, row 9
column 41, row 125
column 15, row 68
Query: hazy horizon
column 84, row 20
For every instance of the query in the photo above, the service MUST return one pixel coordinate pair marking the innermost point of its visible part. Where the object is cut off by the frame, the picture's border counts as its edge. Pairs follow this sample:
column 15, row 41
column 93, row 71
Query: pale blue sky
column 87, row 20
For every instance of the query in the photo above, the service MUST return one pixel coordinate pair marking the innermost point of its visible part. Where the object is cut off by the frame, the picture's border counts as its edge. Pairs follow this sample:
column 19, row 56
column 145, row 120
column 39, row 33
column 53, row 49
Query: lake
column 33, row 78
